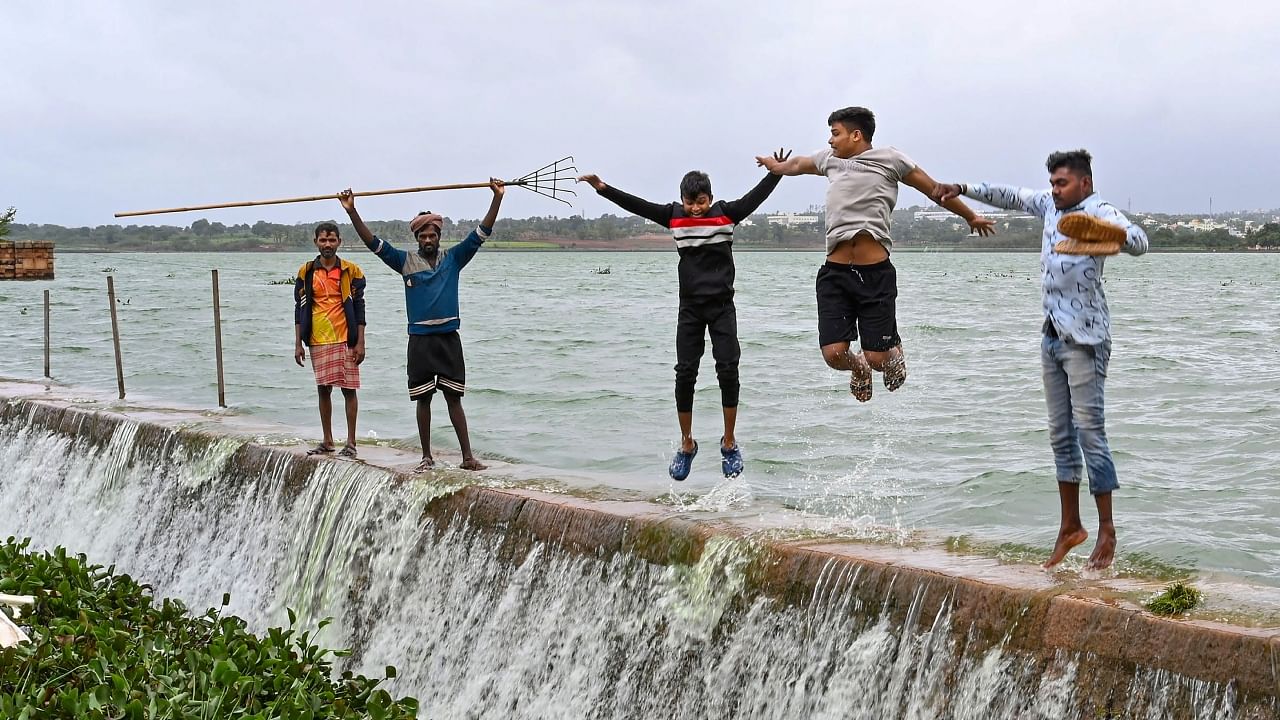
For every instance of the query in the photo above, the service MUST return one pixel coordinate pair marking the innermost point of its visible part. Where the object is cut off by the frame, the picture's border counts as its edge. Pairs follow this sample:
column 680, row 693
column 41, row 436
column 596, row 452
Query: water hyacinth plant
column 1176, row 599
column 103, row 647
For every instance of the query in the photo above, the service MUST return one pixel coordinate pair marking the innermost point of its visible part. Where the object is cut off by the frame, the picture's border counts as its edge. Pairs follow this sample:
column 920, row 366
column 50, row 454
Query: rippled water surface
column 569, row 368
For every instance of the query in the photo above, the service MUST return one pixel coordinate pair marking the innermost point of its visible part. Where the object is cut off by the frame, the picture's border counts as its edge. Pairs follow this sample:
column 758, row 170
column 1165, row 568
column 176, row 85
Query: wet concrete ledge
column 1019, row 606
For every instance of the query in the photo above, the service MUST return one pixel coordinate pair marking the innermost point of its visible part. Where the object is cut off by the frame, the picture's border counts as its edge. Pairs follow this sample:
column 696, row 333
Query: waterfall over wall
column 498, row 603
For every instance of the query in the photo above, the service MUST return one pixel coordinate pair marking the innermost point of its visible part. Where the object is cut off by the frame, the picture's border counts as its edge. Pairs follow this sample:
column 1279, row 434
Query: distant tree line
column 599, row 233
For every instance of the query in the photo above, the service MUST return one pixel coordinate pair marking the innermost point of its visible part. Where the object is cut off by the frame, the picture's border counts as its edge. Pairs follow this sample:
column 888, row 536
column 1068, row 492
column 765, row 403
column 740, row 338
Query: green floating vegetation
column 103, row 647
column 1176, row 599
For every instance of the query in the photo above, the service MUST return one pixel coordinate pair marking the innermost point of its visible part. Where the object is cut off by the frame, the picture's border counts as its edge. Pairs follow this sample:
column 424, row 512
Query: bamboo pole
column 313, row 198
column 46, row 335
column 115, row 333
column 217, row 340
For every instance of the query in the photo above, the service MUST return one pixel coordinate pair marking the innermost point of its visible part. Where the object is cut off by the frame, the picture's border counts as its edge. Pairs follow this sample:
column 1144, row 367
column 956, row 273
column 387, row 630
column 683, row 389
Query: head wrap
column 424, row 219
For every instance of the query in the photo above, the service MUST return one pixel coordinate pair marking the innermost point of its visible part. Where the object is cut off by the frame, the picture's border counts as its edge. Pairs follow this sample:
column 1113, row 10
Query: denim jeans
column 1074, row 376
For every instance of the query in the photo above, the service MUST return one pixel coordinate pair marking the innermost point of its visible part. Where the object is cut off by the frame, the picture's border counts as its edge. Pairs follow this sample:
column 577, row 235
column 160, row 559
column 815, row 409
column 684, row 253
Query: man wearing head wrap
column 431, row 300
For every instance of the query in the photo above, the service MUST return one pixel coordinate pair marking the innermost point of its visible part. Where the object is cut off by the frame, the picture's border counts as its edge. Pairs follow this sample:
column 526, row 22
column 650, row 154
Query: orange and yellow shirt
column 328, row 321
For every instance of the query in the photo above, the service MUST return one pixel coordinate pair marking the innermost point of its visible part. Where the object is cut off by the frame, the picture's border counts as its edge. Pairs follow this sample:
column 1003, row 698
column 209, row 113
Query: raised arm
column 741, row 209
column 470, row 245
column 798, row 165
column 499, row 189
column 920, row 180
column 660, row 214
column 348, row 200
column 1009, row 197
column 393, row 257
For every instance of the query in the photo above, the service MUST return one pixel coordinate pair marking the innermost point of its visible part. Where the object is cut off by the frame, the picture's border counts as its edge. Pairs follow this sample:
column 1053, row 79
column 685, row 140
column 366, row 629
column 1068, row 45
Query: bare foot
column 1067, row 539
column 1104, row 550
column 472, row 464
column 427, row 463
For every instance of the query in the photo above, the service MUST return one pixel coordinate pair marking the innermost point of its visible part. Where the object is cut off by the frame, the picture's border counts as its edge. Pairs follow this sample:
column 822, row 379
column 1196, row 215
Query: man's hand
column 358, row 351
column 299, row 353
column 593, row 180
column 982, row 226
column 770, row 162
column 781, row 155
column 348, row 200
column 943, row 192
column 497, row 186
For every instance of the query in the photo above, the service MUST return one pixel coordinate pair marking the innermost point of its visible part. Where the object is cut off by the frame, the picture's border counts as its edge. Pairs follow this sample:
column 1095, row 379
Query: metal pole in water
column 217, row 340
column 115, row 333
column 46, row 335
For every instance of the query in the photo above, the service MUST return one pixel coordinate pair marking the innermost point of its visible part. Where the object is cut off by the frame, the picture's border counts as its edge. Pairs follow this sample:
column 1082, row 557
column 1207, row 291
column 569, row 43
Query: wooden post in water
column 217, row 340
column 115, row 333
column 46, row 334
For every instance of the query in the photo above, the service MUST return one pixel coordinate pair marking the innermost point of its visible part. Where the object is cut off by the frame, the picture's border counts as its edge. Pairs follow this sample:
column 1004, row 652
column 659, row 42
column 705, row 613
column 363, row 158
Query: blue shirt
column 431, row 294
column 1071, row 285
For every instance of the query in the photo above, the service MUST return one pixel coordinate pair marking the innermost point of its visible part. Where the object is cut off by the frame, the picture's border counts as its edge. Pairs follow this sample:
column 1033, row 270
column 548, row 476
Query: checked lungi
column 335, row 364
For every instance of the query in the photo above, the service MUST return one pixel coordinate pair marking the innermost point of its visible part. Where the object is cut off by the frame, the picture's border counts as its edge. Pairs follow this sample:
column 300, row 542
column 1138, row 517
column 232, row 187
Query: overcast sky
column 116, row 105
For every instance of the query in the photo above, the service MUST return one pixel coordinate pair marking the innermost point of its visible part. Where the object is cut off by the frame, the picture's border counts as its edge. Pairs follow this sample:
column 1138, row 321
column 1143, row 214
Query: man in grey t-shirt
column 858, row 287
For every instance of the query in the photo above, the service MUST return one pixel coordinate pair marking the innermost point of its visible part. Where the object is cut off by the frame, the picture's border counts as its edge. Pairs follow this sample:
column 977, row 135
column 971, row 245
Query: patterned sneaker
column 895, row 371
column 682, row 463
column 860, row 383
column 731, row 461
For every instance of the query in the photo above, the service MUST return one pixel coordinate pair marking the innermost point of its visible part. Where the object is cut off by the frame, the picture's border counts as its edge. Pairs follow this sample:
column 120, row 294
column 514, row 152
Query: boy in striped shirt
column 703, row 233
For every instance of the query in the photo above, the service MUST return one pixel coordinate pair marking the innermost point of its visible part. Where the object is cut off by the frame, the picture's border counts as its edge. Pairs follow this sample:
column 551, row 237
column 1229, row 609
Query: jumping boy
column 703, row 232
column 328, row 317
column 857, row 288
column 431, row 302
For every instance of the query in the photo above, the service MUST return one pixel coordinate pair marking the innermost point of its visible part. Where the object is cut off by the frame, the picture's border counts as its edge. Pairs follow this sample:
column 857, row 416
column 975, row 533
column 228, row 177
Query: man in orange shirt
column 329, row 318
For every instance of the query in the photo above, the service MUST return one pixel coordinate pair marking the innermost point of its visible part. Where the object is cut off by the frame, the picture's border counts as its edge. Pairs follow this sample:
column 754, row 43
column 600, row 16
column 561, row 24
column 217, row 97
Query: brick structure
column 26, row 260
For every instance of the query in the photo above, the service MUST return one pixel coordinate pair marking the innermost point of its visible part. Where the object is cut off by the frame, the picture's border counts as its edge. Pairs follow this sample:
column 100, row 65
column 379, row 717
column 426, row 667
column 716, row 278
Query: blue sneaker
column 682, row 463
column 732, row 462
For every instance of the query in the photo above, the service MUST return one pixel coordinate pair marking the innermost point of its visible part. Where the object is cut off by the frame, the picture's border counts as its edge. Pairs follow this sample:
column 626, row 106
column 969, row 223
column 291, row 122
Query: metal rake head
column 550, row 180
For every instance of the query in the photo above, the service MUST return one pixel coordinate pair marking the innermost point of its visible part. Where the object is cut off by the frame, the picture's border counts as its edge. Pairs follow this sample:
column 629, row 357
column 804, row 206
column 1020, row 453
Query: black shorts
column 435, row 361
column 858, row 299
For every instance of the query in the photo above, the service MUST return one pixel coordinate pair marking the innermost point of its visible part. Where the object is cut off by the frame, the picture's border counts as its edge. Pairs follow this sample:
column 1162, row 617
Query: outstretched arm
column 798, row 165
column 660, row 214
column 1135, row 238
column 920, row 180
column 1035, row 202
column 741, row 209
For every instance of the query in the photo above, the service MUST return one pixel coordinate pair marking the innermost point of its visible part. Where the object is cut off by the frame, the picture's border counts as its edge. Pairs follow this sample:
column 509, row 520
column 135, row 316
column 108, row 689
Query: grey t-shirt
column 862, row 192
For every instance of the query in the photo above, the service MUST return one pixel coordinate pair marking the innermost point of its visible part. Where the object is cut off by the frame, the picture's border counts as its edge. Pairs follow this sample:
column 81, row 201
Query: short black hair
column 855, row 118
column 325, row 227
column 1079, row 162
column 693, row 184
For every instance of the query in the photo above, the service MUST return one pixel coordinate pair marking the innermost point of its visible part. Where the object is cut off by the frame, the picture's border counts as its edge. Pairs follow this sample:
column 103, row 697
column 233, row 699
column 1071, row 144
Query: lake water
column 571, row 370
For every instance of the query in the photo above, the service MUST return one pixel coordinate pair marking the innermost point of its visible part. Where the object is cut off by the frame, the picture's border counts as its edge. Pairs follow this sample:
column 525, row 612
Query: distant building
column 947, row 215
column 794, row 219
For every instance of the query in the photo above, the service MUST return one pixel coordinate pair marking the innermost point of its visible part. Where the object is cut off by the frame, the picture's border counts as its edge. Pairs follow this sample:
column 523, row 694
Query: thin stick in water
column 46, row 335
column 115, row 333
column 217, row 340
